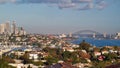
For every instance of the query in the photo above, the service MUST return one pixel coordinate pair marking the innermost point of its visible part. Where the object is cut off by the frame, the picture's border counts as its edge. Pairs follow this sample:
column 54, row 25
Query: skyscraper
column 94, row 35
column 2, row 28
column 104, row 35
column 14, row 27
column 70, row 34
column 7, row 27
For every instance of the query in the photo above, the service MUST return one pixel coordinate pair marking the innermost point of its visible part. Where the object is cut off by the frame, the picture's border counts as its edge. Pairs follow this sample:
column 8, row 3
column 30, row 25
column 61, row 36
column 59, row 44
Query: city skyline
column 11, row 28
column 61, row 16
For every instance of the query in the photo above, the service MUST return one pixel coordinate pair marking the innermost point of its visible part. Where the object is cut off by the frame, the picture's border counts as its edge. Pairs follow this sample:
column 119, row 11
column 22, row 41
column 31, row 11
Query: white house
column 105, row 52
column 97, row 53
column 33, row 56
column 70, row 49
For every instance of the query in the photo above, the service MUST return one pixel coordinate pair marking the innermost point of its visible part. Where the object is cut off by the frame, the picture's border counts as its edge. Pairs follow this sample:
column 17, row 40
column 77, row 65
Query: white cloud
column 75, row 4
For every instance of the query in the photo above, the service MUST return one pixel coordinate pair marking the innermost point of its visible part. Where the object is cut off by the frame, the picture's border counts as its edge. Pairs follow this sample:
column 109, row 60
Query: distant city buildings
column 104, row 35
column 117, row 35
column 7, row 28
column 94, row 35
column 70, row 34
column 63, row 36
column 14, row 27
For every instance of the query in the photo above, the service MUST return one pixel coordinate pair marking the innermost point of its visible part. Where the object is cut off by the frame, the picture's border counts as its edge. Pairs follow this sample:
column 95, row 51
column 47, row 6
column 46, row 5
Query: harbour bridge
column 88, row 33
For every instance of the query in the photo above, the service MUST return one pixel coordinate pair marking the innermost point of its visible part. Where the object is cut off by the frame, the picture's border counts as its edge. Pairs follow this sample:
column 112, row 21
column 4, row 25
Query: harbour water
column 98, row 42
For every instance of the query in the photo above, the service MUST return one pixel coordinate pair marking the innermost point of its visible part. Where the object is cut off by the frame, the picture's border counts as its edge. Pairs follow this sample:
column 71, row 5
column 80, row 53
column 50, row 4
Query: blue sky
column 47, row 16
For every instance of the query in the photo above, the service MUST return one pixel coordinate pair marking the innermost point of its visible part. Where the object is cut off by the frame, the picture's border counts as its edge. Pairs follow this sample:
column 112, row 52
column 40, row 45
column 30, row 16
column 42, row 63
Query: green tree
column 75, row 58
column 111, row 56
column 29, row 66
column 37, row 63
column 83, row 60
column 66, row 55
column 84, row 45
column 116, row 47
column 96, row 49
column 4, row 64
column 100, row 64
column 25, row 58
column 51, row 60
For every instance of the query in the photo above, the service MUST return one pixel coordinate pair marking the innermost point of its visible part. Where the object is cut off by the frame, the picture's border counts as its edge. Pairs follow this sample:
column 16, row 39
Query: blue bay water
column 98, row 42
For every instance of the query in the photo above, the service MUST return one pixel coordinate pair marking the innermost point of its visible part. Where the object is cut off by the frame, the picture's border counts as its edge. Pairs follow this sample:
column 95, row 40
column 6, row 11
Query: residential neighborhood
column 51, row 51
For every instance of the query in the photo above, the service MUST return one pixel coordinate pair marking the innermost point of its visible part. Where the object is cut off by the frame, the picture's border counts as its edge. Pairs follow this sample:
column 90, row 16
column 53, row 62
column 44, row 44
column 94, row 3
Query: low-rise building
column 70, row 49
column 105, row 52
column 97, row 53
column 33, row 56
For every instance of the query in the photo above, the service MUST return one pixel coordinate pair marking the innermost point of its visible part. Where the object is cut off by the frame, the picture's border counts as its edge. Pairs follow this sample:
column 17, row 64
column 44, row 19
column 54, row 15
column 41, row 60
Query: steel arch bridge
column 87, row 32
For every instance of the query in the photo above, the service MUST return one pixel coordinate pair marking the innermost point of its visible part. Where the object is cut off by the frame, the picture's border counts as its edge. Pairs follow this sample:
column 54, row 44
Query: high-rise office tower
column 70, row 34
column 2, row 28
column 7, row 27
column 14, row 27
column 104, row 35
column 94, row 35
